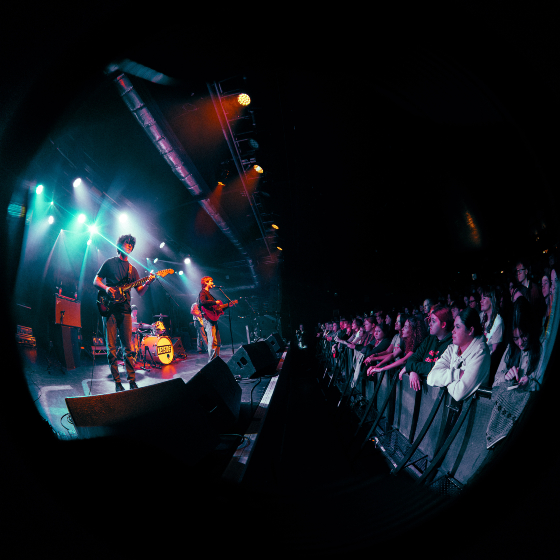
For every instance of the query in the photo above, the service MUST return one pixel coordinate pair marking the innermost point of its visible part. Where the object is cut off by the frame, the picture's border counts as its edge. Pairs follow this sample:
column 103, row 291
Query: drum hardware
column 159, row 347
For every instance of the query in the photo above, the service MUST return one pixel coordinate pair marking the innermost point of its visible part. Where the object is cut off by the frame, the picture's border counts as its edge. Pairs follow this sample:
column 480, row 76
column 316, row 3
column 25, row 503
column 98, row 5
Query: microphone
column 218, row 286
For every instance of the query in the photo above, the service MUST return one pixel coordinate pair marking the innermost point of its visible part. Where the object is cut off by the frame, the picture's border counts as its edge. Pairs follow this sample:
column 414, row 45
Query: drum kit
column 153, row 340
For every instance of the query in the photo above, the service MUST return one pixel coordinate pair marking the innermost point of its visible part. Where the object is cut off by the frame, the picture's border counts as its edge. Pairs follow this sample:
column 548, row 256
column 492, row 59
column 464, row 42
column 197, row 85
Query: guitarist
column 201, row 341
column 116, row 271
column 207, row 301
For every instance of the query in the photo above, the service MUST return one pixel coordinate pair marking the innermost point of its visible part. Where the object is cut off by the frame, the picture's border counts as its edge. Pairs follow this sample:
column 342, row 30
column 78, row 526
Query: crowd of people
column 496, row 336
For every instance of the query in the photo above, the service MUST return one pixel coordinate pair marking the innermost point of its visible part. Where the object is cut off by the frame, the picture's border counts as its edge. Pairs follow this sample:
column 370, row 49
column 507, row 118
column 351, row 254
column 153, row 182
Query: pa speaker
column 178, row 349
column 275, row 342
column 167, row 415
column 217, row 391
column 67, row 345
column 253, row 360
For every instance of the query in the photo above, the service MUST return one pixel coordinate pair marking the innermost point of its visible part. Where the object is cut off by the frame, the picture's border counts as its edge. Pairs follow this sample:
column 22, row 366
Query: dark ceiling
column 395, row 161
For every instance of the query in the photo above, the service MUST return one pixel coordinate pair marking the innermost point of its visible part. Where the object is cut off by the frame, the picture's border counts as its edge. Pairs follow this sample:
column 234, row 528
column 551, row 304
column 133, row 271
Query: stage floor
column 50, row 383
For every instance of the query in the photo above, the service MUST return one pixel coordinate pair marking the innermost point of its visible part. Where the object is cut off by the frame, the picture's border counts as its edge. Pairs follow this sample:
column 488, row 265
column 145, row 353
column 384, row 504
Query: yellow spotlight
column 243, row 99
column 279, row 248
column 258, row 168
column 275, row 226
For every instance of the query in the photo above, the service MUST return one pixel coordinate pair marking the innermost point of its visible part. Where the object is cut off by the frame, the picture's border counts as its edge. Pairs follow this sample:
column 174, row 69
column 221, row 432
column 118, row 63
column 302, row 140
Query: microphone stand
column 229, row 316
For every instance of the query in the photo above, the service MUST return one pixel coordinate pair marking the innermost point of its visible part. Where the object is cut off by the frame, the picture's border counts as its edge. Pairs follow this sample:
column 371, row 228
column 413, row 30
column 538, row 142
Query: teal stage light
column 39, row 189
column 82, row 218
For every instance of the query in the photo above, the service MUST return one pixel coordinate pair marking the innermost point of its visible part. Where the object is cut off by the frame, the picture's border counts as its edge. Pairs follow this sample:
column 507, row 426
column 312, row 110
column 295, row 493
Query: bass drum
column 161, row 348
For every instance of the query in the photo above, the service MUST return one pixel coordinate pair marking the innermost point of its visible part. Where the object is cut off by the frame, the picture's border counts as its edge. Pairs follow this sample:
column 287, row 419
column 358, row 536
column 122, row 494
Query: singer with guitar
column 211, row 310
column 117, row 316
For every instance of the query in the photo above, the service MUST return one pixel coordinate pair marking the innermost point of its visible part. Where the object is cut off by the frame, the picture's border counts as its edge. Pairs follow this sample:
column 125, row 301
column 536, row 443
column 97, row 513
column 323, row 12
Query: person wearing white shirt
column 465, row 364
column 492, row 323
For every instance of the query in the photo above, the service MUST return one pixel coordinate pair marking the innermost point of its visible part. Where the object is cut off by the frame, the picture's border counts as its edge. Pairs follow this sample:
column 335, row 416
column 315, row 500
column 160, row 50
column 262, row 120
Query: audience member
column 465, row 364
column 432, row 348
column 491, row 321
column 413, row 333
column 474, row 301
column 394, row 346
column 521, row 359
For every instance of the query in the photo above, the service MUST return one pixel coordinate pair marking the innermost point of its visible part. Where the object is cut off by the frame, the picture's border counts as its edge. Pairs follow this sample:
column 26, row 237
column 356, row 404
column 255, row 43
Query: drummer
column 134, row 314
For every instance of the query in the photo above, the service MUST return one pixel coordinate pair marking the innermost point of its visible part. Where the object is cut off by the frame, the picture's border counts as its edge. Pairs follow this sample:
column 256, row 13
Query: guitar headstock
column 165, row 272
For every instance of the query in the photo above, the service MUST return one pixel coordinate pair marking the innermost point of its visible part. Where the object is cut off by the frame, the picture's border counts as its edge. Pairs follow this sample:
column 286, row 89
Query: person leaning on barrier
column 419, row 365
column 465, row 364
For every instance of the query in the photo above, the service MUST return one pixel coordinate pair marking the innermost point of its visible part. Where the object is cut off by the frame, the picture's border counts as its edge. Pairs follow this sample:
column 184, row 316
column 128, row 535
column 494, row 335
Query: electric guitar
column 218, row 311
column 105, row 302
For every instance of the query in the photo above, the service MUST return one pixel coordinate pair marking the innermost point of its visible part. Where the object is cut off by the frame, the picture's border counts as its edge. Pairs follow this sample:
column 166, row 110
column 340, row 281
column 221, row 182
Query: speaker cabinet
column 67, row 311
column 253, row 360
column 275, row 342
column 217, row 391
column 178, row 349
column 67, row 345
column 165, row 415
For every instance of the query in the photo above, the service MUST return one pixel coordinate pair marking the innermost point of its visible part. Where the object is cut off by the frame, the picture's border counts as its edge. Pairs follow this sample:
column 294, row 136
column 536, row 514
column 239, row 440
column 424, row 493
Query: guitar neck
column 134, row 284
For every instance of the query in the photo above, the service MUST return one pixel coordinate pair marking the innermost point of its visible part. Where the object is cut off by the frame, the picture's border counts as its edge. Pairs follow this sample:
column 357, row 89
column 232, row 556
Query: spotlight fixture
column 162, row 245
column 258, row 168
column 243, row 99
column 52, row 202
column 51, row 219
column 155, row 261
column 82, row 218
column 275, row 226
column 39, row 189
column 253, row 143
column 92, row 229
column 89, row 241
column 123, row 218
column 279, row 248
column 187, row 261
column 181, row 272
column 77, row 182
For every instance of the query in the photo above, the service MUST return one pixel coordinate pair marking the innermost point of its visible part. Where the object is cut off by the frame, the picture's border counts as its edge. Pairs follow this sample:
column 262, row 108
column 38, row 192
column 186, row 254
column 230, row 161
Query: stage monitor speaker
column 178, row 348
column 67, row 344
column 217, row 391
column 253, row 360
column 275, row 342
column 67, row 312
column 165, row 415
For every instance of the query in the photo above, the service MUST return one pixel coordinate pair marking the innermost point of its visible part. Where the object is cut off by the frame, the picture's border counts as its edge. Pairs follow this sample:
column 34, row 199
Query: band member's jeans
column 213, row 337
column 201, row 340
column 122, row 324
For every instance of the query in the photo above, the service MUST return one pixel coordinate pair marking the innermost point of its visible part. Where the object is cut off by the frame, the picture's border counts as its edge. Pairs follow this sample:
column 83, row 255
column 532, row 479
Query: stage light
column 279, row 248
column 180, row 272
column 162, row 245
column 152, row 271
column 187, row 261
column 89, row 241
column 275, row 226
column 77, row 182
column 92, row 229
column 39, row 189
column 253, row 143
column 258, row 168
column 123, row 218
column 243, row 99
column 155, row 261
column 51, row 219
column 52, row 202
column 82, row 218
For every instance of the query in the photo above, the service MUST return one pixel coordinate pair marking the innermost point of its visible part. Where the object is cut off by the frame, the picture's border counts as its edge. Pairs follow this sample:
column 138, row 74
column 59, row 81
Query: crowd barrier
column 427, row 434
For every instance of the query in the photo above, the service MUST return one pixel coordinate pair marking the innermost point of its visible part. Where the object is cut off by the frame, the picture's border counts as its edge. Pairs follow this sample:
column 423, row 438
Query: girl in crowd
column 491, row 321
column 390, row 322
column 413, row 333
column 380, row 341
column 394, row 347
column 520, row 360
column 465, row 364
column 356, row 337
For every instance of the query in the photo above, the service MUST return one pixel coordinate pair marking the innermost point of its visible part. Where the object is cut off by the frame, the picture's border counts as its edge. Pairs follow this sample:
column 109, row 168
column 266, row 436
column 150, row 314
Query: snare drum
column 160, row 347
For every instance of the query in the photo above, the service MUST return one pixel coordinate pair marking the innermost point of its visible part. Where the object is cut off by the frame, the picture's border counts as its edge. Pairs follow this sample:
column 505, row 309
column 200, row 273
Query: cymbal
column 160, row 315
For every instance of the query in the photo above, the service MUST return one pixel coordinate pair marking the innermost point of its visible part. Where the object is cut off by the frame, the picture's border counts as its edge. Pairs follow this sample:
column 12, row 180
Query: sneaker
column 133, row 385
column 119, row 387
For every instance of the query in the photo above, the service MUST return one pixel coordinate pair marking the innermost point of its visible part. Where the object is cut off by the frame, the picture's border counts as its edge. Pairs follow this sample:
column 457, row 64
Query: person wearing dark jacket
column 433, row 346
